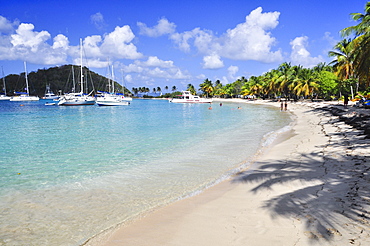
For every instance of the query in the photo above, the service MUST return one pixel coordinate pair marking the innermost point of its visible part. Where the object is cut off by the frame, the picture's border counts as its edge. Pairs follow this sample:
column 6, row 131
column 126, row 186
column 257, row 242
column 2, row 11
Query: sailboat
column 4, row 97
column 77, row 99
column 111, row 98
column 25, row 96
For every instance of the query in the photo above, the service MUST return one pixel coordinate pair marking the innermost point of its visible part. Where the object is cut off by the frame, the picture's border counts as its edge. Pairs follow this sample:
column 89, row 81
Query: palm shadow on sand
column 328, row 186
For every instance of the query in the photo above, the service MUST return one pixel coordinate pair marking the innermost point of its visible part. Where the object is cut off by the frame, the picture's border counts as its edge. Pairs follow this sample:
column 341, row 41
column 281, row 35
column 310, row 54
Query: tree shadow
column 329, row 185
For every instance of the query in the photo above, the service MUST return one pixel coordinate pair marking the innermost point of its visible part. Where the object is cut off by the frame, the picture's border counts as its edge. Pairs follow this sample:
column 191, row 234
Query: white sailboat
column 77, row 99
column 26, row 96
column 4, row 97
column 111, row 98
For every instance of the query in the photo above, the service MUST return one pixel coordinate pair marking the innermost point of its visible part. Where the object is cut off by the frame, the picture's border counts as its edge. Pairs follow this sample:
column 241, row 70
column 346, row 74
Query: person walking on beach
column 345, row 101
column 286, row 105
column 281, row 106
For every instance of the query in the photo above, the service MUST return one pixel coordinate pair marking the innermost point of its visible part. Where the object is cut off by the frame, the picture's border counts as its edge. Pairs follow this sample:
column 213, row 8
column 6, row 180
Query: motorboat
column 187, row 97
column 49, row 94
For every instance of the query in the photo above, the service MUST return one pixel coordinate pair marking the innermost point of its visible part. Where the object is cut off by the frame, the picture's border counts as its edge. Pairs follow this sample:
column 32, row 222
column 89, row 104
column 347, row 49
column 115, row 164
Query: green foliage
column 328, row 83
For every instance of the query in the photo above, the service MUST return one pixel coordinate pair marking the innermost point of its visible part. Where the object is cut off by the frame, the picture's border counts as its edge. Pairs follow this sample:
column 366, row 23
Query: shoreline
column 311, row 186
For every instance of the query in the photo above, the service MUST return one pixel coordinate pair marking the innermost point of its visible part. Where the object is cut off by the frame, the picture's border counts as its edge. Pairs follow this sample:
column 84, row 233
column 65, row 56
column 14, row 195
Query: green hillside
column 60, row 80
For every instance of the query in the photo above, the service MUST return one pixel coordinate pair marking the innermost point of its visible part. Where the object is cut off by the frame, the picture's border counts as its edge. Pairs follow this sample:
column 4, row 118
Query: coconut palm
column 306, row 83
column 207, row 87
column 361, row 44
column 191, row 88
column 343, row 62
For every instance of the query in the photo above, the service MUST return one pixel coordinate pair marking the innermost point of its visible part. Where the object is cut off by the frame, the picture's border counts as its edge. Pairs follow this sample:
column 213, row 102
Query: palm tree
column 306, row 84
column 191, row 88
column 343, row 63
column 361, row 44
column 159, row 90
column 135, row 90
column 207, row 87
column 287, row 75
column 218, row 88
column 174, row 88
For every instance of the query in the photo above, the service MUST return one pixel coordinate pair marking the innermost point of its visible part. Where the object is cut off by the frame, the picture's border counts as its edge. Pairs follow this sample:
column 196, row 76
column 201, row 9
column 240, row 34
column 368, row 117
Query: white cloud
column 6, row 26
column 153, row 61
column 114, row 45
column 300, row 55
column 163, row 27
column 249, row 40
column 29, row 45
column 61, row 42
column 156, row 68
column 128, row 78
column 98, row 20
column 212, row 62
column 232, row 71
column 26, row 38
column 118, row 44
column 24, row 43
column 201, row 76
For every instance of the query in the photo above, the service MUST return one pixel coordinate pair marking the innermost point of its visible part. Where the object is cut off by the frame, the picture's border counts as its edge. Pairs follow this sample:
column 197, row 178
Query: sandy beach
column 312, row 187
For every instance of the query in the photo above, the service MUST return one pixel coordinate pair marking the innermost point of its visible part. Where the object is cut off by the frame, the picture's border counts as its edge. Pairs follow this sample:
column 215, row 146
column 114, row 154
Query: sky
column 172, row 43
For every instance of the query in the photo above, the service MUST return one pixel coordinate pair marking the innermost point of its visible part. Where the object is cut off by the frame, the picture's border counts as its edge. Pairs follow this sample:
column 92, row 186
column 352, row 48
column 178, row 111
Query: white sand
column 313, row 188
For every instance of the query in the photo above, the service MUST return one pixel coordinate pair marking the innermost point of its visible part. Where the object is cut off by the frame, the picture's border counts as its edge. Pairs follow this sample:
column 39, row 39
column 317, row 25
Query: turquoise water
column 68, row 173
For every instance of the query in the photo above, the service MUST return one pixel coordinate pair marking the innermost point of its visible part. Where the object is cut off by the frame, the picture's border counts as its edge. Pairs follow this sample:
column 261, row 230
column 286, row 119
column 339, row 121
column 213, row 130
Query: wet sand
column 312, row 187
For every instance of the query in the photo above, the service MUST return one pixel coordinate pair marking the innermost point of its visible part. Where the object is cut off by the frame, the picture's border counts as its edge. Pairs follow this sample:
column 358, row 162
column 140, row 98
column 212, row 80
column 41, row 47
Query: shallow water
column 68, row 173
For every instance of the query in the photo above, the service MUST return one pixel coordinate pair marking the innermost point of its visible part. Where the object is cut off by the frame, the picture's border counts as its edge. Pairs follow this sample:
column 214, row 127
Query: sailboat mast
column 4, row 88
column 82, row 76
column 112, row 80
column 25, row 70
column 73, row 80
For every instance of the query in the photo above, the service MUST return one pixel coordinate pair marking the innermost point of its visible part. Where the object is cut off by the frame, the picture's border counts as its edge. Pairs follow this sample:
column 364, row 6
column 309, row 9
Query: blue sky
column 172, row 43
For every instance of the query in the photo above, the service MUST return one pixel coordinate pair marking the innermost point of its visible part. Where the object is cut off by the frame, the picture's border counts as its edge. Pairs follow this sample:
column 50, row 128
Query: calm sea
column 69, row 173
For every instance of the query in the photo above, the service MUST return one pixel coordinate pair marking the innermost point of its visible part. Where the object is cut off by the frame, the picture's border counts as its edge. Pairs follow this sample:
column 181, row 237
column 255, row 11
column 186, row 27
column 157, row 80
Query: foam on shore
column 309, row 188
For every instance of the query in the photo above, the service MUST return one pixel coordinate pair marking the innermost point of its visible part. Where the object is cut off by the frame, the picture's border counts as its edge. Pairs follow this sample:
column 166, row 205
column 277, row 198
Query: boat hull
column 4, row 98
column 203, row 100
column 122, row 103
column 112, row 100
column 187, row 97
column 24, row 98
column 75, row 103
